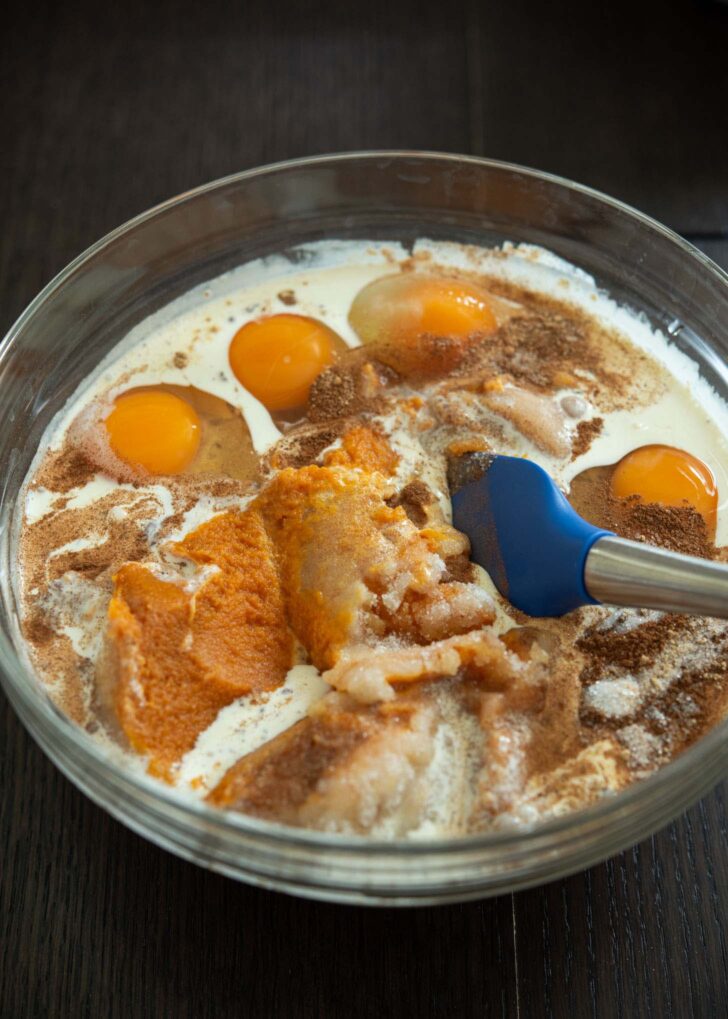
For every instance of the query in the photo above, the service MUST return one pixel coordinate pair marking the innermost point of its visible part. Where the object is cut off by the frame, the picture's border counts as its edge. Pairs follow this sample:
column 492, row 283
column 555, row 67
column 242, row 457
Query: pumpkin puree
column 182, row 653
column 364, row 447
column 308, row 559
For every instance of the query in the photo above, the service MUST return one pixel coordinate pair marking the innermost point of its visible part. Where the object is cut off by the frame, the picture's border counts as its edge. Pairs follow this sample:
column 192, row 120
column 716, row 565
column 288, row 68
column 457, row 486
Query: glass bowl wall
column 162, row 254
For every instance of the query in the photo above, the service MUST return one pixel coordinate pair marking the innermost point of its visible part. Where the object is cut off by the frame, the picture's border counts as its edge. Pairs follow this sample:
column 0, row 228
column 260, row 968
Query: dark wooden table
column 110, row 108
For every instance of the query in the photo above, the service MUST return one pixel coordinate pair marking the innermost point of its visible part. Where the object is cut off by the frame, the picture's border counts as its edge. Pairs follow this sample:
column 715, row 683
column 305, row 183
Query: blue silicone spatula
column 546, row 559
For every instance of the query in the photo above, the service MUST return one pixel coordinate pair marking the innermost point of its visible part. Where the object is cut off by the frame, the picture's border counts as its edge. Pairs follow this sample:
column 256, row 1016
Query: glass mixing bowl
column 161, row 254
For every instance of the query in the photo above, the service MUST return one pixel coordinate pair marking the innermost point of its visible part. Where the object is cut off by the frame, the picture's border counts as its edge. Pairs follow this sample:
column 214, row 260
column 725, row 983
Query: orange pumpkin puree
column 327, row 526
column 183, row 654
column 366, row 448
column 310, row 559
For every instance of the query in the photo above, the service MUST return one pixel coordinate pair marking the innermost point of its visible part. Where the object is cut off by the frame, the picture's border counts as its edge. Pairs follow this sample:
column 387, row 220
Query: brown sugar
column 533, row 348
column 684, row 662
column 414, row 499
column 630, row 651
column 355, row 384
column 303, row 445
column 586, row 433
column 275, row 780
column 64, row 470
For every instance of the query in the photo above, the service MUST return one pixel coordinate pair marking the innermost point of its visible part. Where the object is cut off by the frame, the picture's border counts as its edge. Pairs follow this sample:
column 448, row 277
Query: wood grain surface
column 111, row 108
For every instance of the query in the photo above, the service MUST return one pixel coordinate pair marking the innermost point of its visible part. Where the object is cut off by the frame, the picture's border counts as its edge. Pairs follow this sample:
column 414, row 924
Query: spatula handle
column 621, row 572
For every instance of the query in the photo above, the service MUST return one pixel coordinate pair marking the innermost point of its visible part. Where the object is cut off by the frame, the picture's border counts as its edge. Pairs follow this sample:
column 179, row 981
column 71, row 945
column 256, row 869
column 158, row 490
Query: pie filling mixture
column 239, row 573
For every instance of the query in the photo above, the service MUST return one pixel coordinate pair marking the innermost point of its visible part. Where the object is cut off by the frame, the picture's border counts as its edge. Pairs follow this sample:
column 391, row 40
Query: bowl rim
column 13, row 669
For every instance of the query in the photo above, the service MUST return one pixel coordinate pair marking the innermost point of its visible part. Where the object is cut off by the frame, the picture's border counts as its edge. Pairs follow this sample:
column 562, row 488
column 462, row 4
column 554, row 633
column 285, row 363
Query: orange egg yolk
column 450, row 308
column 411, row 305
column 154, row 430
column 667, row 476
column 277, row 358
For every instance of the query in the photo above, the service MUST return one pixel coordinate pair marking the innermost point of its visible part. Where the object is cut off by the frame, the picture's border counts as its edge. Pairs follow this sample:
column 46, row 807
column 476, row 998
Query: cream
column 247, row 724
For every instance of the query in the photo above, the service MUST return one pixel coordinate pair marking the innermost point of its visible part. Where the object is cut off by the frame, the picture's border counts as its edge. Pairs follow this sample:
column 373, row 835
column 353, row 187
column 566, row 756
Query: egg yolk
column 277, row 358
column 413, row 304
column 154, row 430
column 669, row 477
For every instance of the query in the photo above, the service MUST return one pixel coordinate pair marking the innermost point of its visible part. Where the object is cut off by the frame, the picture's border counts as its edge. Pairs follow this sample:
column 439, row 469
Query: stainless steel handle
column 621, row 572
